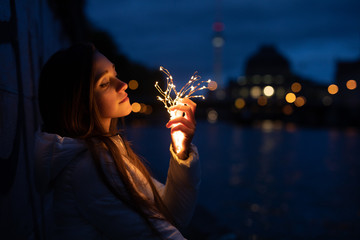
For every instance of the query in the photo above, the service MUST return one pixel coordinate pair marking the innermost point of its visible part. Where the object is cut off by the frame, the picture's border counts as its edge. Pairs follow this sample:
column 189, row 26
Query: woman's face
column 110, row 95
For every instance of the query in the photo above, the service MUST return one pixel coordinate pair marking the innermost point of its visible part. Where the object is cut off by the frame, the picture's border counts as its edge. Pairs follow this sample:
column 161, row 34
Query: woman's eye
column 104, row 85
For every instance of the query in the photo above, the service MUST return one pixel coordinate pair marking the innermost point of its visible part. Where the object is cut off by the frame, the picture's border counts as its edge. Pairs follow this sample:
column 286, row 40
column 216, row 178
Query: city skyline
column 178, row 34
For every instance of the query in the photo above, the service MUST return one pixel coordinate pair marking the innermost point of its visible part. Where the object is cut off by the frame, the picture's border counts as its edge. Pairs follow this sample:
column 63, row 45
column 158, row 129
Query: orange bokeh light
column 290, row 97
column 262, row 100
column 296, row 87
column 333, row 89
column 300, row 101
column 351, row 84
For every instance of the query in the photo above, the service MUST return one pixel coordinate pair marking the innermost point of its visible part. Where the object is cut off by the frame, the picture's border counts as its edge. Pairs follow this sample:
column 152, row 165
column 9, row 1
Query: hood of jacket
column 52, row 154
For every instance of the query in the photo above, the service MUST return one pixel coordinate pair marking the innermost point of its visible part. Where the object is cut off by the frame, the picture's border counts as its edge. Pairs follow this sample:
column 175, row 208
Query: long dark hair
column 68, row 108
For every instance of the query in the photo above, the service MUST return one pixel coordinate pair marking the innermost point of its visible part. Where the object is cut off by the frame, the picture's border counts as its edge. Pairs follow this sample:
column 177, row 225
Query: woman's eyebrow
column 101, row 75
column 104, row 73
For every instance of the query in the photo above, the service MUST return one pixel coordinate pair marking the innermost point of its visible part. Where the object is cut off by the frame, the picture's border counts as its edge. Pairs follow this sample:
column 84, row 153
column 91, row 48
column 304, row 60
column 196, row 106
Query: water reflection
column 271, row 181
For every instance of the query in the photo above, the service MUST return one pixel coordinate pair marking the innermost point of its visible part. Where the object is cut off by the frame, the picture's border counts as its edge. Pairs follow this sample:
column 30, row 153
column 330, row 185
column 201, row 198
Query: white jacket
column 77, row 204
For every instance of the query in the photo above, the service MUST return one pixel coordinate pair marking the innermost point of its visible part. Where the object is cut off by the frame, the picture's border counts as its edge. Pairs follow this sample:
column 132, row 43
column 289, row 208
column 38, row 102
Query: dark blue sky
column 177, row 34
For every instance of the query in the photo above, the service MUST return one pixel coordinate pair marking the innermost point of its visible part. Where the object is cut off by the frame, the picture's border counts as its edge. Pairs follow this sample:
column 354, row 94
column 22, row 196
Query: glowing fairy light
column 187, row 91
column 170, row 97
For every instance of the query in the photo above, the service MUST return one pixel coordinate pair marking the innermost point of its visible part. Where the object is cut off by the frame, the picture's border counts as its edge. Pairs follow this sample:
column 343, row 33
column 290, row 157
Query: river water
column 268, row 182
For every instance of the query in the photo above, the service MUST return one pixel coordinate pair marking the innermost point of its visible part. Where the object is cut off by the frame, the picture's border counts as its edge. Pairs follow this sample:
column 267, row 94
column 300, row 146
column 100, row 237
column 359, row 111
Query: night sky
column 177, row 34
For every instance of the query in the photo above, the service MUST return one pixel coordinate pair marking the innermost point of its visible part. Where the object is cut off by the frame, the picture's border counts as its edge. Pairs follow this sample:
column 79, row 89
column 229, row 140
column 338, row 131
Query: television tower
column 218, row 43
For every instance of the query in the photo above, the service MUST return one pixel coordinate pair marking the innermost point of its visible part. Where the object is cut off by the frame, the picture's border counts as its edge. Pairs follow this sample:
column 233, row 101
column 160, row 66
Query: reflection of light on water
column 277, row 178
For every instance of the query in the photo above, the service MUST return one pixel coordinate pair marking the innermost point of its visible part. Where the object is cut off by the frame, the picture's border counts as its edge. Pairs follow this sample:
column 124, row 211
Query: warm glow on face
column 300, row 101
column 136, row 107
column 133, row 84
column 333, row 89
column 296, row 87
column 351, row 84
column 290, row 97
column 269, row 91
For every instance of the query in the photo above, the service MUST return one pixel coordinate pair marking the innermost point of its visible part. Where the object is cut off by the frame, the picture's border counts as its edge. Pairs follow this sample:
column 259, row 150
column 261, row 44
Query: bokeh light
column 212, row 116
column 133, row 84
column 255, row 92
column 239, row 103
column 280, row 92
column 218, row 41
column 148, row 109
column 212, row 85
column 333, row 89
column 143, row 108
column 244, row 92
column 290, row 97
column 296, row 87
column 135, row 107
column 300, row 101
column 262, row 100
column 351, row 84
column 220, row 94
column 268, row 91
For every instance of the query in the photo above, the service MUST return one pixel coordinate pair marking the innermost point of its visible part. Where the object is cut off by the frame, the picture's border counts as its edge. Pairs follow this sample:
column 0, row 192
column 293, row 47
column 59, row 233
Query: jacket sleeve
column 181, row 189
column 108, row 214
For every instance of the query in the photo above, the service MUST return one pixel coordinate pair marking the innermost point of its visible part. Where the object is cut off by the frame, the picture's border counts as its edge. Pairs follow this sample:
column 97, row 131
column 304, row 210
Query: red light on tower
column 218, row 26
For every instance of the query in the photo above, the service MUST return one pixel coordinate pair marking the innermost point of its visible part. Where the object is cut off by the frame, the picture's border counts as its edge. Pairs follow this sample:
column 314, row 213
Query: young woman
column 93, row 186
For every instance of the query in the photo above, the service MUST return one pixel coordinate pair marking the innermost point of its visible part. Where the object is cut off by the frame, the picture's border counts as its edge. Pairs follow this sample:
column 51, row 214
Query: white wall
column 29, row 34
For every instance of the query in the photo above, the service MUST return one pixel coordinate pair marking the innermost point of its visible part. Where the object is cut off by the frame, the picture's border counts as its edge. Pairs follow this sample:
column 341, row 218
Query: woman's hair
column 68, row 108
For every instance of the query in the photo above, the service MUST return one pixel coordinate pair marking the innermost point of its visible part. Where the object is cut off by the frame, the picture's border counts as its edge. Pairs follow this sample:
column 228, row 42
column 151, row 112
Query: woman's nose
column 122, row 86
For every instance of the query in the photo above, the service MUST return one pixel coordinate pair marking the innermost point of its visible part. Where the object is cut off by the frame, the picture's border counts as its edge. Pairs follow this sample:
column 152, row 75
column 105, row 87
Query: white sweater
column 79, row 205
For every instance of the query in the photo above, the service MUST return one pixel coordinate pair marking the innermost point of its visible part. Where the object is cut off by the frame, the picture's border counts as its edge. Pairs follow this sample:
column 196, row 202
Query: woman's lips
column 124, row 99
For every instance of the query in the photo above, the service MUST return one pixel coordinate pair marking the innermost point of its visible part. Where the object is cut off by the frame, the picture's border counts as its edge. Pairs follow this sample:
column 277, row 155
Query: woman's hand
column 182, row 124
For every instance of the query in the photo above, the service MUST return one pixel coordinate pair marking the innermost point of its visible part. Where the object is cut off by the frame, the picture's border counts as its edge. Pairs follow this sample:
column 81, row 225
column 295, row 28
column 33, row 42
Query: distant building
column 267, row 61
column 347, row 79
column 270, row 90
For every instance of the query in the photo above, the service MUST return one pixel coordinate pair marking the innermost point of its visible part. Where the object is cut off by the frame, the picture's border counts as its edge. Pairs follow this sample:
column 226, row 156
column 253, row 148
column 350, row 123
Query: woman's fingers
column 180, row 120
column 186, row 101
column 187, row 109
column 187, row 131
